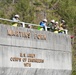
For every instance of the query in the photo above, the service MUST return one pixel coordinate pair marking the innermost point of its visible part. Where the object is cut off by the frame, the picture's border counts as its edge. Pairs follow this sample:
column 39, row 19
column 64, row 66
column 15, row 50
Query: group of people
column 53, row 26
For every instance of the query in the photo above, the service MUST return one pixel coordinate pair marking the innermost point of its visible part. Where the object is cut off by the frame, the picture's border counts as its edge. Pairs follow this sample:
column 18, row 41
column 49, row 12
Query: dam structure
column 25, row 51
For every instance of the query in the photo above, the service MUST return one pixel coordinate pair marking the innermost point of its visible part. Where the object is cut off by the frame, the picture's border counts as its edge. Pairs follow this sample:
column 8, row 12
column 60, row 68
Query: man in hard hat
column 56, row 27
column 51, row 26
column 62, row 27
column 43, row 25
column 16, row 20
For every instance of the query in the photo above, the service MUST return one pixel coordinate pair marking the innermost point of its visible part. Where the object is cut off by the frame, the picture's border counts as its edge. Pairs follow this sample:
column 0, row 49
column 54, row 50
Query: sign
column 26, row 59
column 25, row 34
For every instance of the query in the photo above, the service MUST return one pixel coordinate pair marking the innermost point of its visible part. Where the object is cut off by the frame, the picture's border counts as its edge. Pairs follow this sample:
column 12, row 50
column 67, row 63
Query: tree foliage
column 67, row 10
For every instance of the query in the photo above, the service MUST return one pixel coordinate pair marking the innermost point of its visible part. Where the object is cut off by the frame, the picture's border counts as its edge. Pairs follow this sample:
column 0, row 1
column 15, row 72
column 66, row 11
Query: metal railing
column 24, row 24
column 20, row 22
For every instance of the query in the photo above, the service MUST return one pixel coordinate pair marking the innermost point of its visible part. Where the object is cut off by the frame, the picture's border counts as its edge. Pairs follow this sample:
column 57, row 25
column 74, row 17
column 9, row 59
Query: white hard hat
column 53, row 21
column 56, row 22
column 17, row 16
column 62, row 21
column 45, row 20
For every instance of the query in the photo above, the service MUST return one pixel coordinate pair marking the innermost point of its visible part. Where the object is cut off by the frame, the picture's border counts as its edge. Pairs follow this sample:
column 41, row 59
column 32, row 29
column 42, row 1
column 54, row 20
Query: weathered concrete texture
column 32, row 71
column 53, row 41
column 52, row 59
column 53, row 52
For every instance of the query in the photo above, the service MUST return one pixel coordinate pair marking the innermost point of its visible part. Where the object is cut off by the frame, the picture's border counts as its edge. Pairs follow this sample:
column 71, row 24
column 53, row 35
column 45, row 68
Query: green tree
column 25, row 10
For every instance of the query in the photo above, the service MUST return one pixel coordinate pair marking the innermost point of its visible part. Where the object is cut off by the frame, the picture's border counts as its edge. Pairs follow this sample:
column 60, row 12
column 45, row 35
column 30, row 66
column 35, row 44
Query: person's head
column 44, row 20
column 16, row 16
column 62, row 21
column 56, row 23
column 52, row 21
column 29, row 26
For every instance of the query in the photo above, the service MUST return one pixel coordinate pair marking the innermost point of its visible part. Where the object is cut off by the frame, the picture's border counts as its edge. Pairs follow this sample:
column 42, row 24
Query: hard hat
column 56, row 22
column 62, row 21
column 53, row 21
column 17, row 15
column 45, row 20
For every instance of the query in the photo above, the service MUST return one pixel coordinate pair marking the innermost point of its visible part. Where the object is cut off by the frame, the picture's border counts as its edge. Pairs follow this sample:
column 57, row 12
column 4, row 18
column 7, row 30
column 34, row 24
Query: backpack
column 42, row 24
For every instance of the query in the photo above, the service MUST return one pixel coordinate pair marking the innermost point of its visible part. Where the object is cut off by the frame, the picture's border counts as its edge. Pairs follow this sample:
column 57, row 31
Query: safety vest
column 55, row 31
column 40, row 28
column 15, row 24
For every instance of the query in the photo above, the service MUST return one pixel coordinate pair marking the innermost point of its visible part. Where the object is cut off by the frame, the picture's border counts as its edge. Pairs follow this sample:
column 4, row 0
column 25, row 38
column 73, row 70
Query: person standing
column 56, row 27
column 51, row 26
column 43, row 26
column 62, row 28
column 15, row 20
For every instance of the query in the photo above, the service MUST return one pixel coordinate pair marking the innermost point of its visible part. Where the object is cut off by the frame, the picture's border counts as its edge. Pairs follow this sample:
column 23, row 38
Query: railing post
column 23, row 24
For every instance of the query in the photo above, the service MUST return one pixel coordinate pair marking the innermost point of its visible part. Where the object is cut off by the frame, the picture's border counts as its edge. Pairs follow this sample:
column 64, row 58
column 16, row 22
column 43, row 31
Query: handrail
column 23, row 23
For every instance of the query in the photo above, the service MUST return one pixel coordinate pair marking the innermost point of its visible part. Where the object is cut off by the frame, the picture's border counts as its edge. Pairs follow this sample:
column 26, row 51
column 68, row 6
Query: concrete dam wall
column 31, row 52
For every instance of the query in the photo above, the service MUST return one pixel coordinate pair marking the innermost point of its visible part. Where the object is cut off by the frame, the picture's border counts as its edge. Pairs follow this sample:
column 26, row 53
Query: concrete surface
column 50, row 53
